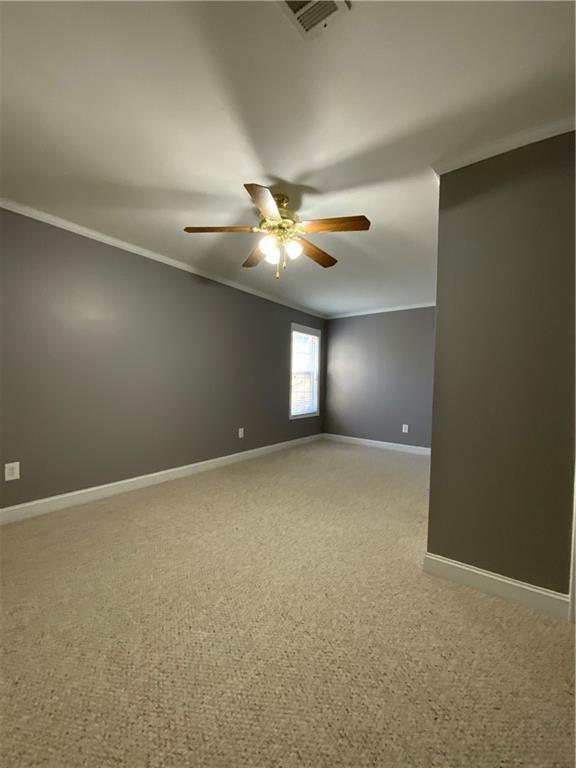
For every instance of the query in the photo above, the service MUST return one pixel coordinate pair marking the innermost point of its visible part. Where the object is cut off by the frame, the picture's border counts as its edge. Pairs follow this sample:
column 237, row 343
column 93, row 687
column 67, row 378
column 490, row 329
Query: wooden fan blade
column 263, row 200
column 340, row 224
column 255, row 258
column 316, row 254
column 193, row 230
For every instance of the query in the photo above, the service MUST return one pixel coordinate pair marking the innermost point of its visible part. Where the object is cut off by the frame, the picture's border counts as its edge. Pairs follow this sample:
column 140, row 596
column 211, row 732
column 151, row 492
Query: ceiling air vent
column 312, row 18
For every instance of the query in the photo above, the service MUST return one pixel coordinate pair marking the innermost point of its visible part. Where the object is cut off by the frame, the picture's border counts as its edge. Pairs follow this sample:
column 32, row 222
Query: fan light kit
column 283, row 230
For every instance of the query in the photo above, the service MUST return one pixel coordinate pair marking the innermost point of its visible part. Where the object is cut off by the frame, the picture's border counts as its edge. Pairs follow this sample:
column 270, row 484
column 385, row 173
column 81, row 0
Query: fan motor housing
column 289, row 224
column 282, row 202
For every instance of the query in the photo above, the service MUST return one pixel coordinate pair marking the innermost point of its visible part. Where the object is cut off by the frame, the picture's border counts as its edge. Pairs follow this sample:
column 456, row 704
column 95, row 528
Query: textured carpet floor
column 271, row 613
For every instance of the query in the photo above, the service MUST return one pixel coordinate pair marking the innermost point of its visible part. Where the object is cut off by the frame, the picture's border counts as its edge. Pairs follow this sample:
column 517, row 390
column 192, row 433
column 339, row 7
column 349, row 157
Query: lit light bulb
column 293, row 249
column 270, row 250
column 268, row 245
column 273, row 257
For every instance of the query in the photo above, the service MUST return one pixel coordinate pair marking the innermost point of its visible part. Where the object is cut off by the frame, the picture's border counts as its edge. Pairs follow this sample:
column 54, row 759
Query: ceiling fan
column 283, row 231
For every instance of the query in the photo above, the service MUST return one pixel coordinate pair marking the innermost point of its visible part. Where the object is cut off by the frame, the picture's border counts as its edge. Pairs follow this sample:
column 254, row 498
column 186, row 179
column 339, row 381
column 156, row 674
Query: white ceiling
column 137, row 119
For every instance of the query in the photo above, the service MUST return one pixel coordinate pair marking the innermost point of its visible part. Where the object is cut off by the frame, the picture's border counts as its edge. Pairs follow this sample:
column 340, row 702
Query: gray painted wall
column 115, row 365
column 380, row 372
column 503, row 423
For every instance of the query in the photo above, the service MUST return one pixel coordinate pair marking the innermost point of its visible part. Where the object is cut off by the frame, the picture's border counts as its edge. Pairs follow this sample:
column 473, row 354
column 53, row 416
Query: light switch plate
column 12, row 471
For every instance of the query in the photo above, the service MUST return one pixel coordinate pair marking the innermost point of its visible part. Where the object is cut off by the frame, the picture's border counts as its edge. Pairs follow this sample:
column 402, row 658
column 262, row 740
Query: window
column 305, row 372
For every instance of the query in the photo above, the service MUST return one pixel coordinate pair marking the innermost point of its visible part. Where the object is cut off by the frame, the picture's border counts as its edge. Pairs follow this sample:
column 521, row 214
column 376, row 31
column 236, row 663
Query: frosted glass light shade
column 293, row 249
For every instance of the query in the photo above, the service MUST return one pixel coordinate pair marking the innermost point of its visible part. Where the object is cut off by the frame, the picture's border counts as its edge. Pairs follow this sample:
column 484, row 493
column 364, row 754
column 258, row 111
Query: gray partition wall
column 115, row 365
column 380, row 371
column 503, row 420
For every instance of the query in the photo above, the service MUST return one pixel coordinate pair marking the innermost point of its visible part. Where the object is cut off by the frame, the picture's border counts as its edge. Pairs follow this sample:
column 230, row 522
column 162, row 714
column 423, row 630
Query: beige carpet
column 272, row 613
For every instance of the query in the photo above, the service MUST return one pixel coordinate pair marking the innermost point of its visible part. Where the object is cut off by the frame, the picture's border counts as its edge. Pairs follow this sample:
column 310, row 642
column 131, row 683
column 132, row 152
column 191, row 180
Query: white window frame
column 311, row 332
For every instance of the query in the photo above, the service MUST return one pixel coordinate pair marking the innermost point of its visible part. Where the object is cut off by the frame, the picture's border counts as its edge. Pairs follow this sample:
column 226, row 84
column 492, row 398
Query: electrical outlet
column 404, row 428
column 241, row 433
column 12, row 471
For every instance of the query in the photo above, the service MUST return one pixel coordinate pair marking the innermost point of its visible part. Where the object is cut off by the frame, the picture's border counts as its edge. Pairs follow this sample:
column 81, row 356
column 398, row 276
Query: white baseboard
column 378, row 444
column 42, row 506
column 538, row 598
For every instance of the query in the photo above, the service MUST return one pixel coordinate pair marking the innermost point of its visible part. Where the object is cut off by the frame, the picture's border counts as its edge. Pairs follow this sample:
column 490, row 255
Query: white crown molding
column 70, row 226
column 52, row 503
column 537, row 598
column 382, row 311
column 419, row 449
column 517, row 140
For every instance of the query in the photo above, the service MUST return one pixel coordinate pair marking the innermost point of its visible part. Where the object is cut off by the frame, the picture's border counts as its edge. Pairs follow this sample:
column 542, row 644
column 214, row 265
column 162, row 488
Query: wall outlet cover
column 12, row 471
column 241, row 433
column 405, row 428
